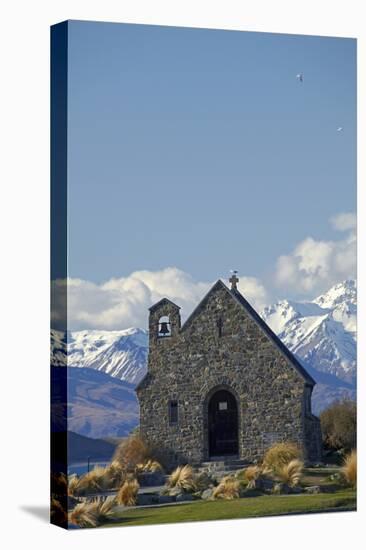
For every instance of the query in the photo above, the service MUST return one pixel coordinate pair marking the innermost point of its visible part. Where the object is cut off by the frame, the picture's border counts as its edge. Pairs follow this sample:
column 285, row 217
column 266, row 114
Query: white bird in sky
column 340, row 128
column 300, row 77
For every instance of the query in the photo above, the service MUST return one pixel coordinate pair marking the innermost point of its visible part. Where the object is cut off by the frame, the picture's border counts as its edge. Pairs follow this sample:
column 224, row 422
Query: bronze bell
column 164, row 329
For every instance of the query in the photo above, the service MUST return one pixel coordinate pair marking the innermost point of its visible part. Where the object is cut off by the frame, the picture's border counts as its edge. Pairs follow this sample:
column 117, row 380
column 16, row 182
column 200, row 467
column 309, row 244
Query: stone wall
column 190, row 365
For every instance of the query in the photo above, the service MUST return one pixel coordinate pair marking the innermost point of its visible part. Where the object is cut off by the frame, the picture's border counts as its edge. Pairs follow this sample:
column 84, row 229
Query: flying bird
column 300, row 77
column 340, row 128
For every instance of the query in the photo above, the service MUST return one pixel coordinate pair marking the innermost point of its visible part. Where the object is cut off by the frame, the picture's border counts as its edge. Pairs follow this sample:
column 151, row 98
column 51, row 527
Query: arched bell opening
column 164, row 327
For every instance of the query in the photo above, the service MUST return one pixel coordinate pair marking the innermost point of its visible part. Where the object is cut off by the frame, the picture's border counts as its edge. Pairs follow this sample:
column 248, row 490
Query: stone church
column 223, row 384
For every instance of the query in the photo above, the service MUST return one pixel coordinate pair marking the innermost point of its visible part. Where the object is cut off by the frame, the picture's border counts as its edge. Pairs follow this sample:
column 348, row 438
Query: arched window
column 164, row 327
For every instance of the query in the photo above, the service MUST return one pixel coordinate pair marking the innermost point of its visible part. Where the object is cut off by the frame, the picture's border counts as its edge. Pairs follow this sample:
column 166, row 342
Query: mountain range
column 105, row 366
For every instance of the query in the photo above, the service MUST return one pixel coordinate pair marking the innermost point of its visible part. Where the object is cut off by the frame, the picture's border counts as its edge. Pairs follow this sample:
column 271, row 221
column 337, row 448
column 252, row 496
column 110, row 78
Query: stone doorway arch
column 223, row 424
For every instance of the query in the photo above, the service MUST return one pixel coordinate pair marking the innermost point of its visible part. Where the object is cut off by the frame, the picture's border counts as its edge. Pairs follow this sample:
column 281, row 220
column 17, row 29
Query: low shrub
column 227, row 489
column 349, row 469
column 204, row 481
column 339, row 425
column 279, row 455
column 127, row 495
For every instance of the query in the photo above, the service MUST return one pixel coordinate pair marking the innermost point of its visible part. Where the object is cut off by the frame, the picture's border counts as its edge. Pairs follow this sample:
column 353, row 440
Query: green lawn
column 240, row 508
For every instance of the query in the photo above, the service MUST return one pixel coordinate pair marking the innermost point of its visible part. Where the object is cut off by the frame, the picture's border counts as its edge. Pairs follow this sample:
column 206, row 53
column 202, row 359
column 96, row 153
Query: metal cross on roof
column 234, row 280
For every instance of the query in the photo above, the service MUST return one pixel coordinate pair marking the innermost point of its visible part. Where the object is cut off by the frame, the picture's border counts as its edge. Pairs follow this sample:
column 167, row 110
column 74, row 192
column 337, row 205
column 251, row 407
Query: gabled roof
column 239, row 298
column 161, row 302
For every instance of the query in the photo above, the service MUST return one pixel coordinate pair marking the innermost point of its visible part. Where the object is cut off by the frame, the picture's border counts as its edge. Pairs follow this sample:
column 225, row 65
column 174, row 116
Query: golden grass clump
column 280, row 454
column 58, row 513
column 115, row 475
column 227, row 489
column 349, row 468
column 149, row 466
column 251, row 474
column 183, row 478
column 291, row 473
column 72, row 485
column 97, row 480
column 127, row 495
column 94, row 481
column 84, row 514
column 92, row 514
column 58, row 484
column 131, row 451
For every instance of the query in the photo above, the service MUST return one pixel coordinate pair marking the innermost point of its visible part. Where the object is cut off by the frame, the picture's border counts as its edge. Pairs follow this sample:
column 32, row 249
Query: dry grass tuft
column 291, row 473
column 114, row 475
column 349, row 469
column 58, row 513
column 105, row 509
column 227, row 489
column 279, row 455
column 58, row 484
column 149, row 466
column 72, row 485
column 92, row 514
column 97, row 480
column 183, row 478
column 127, row 495
column 250, row 475
column 84, row 514
column 130, row 452
column 91, row 482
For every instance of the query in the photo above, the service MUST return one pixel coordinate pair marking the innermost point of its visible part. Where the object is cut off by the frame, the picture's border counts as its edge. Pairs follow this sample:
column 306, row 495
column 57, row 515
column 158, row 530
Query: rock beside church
column 313, row 490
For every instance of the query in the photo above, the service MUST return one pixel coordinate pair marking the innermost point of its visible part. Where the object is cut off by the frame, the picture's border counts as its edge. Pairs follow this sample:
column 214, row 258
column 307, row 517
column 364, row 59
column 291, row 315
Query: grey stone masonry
column 223, row 345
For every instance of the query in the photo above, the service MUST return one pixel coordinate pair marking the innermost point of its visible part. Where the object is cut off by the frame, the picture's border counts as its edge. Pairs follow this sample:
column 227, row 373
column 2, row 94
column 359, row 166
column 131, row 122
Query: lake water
column 80, row 468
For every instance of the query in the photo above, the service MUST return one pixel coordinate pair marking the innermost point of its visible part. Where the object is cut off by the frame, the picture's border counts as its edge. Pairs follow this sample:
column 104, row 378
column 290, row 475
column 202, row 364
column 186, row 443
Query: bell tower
column 164, row 321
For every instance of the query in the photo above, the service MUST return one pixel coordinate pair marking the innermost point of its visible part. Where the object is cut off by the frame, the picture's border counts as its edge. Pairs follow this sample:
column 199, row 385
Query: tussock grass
column 127, row 495
column 279, row 455
column 92, row 514
column 291, row 473
column 227, row 489
column 72, row 485
column 97, row 480
column 58, row 484
column 91, row 482
column 114, row 475
column 149, row 466
column 84, row 514
column 250, row 475
column 58, row 513
column 131, row 452
column 349, row 469
column 183, row 478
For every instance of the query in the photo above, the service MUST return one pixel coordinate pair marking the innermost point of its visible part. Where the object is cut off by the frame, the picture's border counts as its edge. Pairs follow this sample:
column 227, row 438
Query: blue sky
column 200, row 149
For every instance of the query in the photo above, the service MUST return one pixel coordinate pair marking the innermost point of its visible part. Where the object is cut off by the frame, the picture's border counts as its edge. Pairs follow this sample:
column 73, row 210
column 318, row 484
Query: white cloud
column 314, row 266
column 344, row 221
column 124, row 302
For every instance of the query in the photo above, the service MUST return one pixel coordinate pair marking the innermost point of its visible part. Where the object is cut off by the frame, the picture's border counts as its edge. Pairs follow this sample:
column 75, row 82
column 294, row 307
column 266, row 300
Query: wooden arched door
column 223, row 424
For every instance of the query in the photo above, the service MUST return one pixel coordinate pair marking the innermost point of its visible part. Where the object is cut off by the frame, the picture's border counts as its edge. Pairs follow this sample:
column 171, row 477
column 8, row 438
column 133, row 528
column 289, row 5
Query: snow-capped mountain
column 322, row 332
column 120, row 353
